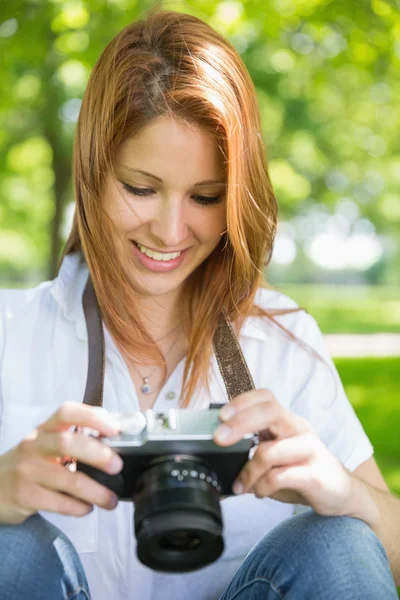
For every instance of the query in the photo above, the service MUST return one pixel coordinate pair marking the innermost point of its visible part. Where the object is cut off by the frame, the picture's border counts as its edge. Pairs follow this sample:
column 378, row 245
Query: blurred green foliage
column 349, row 309
column 327, row 79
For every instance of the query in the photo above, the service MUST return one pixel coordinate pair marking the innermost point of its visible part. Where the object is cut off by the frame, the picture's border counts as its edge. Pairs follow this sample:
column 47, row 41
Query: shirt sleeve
column 317, row 394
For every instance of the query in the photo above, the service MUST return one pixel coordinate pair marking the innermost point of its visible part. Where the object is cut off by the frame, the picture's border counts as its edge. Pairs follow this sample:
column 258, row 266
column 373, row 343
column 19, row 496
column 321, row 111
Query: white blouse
column 43, row 363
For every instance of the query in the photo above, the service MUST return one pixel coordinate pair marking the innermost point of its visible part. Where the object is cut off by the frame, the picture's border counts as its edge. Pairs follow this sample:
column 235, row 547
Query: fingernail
column 223, row 432
column 238, row 488
column 227, row 413
column 114, row 501
column 116, row 464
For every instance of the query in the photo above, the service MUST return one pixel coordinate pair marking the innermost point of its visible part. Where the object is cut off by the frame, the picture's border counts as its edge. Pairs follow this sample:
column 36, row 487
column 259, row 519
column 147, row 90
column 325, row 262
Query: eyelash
column 204, row 200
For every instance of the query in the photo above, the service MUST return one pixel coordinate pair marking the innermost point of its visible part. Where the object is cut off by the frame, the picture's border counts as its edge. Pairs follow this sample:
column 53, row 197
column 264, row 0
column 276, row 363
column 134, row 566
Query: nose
column 169, row 225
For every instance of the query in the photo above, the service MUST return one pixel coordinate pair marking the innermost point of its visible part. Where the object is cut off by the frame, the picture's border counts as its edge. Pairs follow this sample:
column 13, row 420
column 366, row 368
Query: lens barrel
column 178, row 521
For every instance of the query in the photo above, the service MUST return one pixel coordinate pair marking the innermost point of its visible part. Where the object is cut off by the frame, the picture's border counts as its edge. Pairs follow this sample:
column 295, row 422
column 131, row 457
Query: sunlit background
column 328, row 83
column 327, row 76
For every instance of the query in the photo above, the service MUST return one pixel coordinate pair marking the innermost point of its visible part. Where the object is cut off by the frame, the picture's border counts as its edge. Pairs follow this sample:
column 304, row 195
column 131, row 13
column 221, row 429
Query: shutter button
column 170, row 395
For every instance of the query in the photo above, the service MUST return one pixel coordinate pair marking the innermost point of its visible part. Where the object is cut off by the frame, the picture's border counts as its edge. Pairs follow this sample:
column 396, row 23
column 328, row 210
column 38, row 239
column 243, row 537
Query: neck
column 160, row 315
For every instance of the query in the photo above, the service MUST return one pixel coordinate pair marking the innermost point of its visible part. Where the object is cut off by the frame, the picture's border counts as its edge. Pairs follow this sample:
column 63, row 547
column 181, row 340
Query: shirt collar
column 68, row 290
column 257, row 327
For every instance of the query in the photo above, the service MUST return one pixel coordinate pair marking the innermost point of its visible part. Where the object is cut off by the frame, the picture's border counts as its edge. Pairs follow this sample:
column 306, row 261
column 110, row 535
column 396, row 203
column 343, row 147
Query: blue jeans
column 306, row 557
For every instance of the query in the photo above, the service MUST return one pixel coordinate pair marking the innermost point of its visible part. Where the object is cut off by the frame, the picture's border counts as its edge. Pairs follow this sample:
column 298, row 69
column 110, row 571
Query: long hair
column 170, row 63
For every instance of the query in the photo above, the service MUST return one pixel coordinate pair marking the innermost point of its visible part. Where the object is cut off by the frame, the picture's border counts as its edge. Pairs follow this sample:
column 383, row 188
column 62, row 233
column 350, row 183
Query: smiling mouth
column 163, row 256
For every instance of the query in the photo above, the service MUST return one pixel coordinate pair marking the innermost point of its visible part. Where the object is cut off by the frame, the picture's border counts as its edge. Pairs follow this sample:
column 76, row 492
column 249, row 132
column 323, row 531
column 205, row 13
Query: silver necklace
column 146, row 388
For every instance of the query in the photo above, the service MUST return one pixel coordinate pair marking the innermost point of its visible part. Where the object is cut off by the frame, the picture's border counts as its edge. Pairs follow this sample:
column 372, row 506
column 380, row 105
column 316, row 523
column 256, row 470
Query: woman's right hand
column 32, row 477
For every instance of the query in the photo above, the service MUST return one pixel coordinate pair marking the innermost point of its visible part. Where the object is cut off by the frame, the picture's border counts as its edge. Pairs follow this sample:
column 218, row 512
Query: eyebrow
column 200, row 183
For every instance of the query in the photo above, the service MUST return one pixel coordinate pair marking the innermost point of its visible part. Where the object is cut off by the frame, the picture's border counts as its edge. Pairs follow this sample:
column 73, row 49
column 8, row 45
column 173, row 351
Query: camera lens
column 178, row 521
column 180, row 540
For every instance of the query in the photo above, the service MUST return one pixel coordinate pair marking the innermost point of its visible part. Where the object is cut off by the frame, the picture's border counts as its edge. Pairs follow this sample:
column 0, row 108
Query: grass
column 372, row 387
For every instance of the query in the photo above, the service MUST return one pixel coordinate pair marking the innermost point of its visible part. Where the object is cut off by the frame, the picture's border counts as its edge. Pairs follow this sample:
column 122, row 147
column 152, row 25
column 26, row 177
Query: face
column 167, row 202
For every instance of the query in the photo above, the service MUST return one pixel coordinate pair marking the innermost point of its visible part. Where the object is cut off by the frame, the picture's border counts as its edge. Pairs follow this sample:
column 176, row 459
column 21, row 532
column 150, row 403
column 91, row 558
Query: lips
column 159, row 251
column 158, row 266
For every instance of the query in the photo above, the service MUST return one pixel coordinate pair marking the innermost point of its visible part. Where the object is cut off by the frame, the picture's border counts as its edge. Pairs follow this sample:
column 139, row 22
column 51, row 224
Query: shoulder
column 16, row 303
column 283, row 313
column 273, row 298
column 22, row 310
column 19, row 299
column 48, row 300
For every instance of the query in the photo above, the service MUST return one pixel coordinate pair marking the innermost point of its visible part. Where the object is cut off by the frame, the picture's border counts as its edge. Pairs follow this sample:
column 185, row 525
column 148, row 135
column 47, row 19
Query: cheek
column 125, row 217
column 210, row 226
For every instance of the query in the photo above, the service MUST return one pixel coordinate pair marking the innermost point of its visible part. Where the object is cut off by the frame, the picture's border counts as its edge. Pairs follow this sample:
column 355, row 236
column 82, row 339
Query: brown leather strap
column 96, row 348
column 231, row 362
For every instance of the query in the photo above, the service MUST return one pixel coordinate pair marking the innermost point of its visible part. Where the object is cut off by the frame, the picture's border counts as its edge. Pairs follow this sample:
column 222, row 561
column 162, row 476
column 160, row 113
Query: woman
column 175, row 218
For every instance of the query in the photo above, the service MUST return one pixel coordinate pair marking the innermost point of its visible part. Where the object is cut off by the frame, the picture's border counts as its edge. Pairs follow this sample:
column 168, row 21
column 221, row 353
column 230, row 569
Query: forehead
column 169, row 147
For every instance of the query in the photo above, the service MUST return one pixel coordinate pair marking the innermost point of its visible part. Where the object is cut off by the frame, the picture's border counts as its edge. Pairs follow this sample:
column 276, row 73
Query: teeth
column 158, row 255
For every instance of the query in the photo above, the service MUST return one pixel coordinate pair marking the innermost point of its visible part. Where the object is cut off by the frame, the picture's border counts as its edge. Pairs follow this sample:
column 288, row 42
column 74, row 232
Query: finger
column 245, row 400
column 293, row 450
column 76, row 413
column 294, row 477
column 35, row 498
column 78, row 485
column 279, row 421
column 84, row 448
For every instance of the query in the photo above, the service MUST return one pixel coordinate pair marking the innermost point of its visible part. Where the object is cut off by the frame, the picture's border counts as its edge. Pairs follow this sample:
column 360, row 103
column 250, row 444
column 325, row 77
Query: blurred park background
column 327, row 75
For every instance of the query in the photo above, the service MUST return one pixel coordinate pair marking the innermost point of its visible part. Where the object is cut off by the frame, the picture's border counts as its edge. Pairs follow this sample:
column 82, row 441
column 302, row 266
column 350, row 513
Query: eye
column 138, row 191
column 204, row 200
column 207, row 199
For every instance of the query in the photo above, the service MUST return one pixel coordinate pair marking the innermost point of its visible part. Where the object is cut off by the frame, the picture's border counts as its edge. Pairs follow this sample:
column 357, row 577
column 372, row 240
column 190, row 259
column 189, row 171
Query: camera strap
column 230, row 359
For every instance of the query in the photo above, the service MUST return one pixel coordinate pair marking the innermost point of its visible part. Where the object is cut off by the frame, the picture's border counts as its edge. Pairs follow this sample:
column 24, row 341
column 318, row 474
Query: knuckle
column 21, row 471
column 264, row 453
column 310, row 444
column 312, row 480
column 305, row 423
column 24, row 448
column 273, row 480
column 63, row 441
column 259, row 491
column 267, row 395
column 273, row 477
column 60, row 478
column 64, row 411
column 80, row 483
column 19, row 494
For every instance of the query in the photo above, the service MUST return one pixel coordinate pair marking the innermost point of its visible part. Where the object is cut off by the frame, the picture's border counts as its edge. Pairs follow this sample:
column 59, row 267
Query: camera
column 175, row 474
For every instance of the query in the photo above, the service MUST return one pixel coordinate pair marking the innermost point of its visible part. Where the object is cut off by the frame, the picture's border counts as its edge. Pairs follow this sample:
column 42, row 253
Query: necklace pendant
column 145, row 387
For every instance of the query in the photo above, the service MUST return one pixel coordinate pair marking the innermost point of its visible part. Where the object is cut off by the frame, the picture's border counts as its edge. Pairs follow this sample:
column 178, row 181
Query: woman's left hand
column 291, row 463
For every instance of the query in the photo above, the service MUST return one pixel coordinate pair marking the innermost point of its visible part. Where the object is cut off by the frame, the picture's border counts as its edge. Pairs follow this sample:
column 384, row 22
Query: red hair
column 174, row 63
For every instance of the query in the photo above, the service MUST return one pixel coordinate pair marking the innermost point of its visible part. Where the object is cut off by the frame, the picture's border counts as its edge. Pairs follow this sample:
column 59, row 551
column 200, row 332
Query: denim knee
column 339, row 549
column 310, row 556
column 38, row 561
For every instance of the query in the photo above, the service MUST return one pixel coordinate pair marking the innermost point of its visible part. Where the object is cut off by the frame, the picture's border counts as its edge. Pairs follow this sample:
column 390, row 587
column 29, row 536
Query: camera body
column 148, row 436
column 175, row 474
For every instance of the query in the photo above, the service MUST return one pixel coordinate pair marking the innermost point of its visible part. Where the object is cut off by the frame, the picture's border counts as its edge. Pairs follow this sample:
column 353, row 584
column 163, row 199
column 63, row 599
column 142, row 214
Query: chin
column 153, row 289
